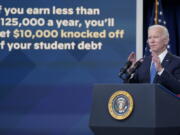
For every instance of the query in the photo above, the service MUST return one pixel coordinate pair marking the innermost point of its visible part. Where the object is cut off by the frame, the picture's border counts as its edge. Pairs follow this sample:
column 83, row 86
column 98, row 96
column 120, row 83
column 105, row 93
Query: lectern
column 156, row 111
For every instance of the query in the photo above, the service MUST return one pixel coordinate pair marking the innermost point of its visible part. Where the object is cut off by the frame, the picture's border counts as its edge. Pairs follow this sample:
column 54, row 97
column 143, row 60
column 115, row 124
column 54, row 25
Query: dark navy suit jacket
column 170, row 78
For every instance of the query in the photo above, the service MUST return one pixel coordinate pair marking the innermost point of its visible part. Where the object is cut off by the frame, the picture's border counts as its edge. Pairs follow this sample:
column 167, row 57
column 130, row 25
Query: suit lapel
column 165, row 63
column 167, row 60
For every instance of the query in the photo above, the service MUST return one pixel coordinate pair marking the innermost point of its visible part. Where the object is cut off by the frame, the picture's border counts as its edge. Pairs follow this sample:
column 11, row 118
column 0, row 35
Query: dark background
column 171, row 10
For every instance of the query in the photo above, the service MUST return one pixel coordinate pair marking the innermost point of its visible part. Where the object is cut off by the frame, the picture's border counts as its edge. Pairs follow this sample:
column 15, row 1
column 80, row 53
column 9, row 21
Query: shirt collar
column 162, row 55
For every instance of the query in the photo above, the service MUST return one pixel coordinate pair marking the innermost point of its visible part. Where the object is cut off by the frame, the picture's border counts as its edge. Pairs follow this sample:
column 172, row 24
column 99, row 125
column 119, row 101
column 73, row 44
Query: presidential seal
column 120, row 105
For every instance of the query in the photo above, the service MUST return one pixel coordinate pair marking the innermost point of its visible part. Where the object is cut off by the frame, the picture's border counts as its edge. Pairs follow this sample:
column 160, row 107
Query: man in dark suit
column 161, row 66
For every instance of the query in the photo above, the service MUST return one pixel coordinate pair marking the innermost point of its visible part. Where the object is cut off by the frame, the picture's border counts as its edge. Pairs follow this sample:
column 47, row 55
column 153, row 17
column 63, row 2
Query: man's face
column 157, row 40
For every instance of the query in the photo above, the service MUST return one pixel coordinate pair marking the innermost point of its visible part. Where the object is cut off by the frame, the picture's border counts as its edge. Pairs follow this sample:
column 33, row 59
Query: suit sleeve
column 133, row 78
column 171, row 80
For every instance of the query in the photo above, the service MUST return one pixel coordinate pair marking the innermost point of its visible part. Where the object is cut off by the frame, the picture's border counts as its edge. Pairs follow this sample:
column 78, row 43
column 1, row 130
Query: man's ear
column 166, row 41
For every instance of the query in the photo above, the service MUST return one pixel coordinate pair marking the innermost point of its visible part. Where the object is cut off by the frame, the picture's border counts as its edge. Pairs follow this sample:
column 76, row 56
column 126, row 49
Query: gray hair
column 163, row 28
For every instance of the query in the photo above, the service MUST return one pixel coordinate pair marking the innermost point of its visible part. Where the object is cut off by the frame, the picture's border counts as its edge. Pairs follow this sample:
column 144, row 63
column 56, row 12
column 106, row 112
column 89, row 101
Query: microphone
column 123, row 70
column 134, row 68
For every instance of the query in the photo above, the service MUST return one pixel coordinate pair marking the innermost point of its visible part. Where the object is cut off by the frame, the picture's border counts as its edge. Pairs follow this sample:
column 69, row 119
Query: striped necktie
column 152, row 72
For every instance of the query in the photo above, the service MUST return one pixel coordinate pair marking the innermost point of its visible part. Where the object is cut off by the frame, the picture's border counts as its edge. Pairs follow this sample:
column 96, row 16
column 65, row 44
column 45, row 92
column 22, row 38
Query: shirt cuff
column 160, row 73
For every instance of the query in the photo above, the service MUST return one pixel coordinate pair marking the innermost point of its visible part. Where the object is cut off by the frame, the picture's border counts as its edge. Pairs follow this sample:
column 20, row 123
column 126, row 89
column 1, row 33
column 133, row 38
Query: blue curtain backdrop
column 171, row 10
column 49, row 92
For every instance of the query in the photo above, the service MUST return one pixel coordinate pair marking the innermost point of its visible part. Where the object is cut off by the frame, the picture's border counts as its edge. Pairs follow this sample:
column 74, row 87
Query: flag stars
column 160, row 13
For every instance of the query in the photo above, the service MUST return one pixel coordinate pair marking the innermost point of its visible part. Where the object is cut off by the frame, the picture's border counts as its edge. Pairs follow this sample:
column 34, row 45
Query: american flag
column 157, row 14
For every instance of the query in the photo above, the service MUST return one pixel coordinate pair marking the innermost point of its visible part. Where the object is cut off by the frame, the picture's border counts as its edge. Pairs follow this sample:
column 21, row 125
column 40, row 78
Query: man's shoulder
column 173, row 57
column 175, row 60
